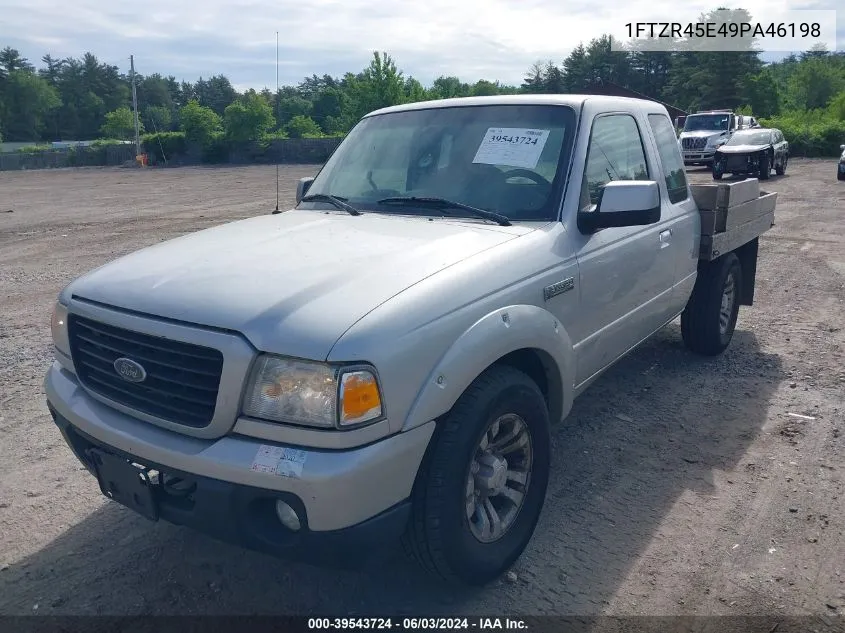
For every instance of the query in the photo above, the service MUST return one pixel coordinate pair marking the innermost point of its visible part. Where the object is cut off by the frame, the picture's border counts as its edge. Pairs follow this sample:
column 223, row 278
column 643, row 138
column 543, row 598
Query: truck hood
column 741, row 149
column 291, row 283
column 708, row 134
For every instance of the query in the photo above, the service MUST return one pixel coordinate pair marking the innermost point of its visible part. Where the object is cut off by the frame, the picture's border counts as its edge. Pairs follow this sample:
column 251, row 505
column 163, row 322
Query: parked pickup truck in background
column 388, row 357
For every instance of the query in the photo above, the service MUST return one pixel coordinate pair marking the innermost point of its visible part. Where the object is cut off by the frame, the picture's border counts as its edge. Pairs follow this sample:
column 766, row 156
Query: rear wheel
column 482, row 486
column 709, row 319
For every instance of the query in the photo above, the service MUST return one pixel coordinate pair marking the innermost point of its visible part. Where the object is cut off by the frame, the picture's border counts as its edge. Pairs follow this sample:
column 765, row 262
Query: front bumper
column 702, row 156
column 354, row 497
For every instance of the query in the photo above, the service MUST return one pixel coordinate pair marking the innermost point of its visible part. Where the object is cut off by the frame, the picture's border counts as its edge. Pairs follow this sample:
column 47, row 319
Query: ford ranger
column 387, row 358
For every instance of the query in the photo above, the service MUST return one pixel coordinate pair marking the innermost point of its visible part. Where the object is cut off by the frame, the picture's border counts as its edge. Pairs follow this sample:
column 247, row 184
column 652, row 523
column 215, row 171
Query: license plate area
column 125, row 483
column 739, row 162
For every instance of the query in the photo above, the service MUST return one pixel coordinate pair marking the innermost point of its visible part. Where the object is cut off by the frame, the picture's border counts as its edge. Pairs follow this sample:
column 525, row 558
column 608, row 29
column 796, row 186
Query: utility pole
column 135, row 104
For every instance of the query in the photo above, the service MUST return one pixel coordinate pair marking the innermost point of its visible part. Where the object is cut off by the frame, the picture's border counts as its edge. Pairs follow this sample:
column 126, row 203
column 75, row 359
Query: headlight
column 58, row 326
column 312, row 394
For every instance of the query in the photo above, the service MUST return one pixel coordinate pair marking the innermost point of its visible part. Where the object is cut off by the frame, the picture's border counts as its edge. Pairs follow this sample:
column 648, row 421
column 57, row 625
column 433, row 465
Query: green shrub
column 303, row 127
column 107, row 142
column 199, row 123
column 163, row 146
column 813, row 134
column 34, row 149
column 216, row 149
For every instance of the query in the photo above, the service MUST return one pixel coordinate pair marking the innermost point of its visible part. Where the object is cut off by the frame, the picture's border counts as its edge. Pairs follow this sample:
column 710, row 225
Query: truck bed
column 732, row 214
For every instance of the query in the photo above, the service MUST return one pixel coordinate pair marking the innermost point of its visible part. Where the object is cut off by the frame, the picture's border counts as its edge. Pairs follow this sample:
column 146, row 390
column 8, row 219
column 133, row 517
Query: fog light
column 287, row 516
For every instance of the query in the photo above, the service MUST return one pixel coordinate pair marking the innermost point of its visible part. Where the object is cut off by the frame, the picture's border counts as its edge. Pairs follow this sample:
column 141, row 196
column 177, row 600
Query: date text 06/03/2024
column 417, row 624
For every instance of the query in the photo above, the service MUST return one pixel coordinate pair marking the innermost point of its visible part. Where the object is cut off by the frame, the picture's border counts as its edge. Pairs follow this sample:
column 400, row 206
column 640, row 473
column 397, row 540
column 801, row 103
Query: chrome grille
column 693, row 143
column 181, row 380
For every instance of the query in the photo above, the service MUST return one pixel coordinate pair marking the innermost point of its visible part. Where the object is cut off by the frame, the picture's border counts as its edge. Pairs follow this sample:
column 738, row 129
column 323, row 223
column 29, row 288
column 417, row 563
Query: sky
column 471, row 39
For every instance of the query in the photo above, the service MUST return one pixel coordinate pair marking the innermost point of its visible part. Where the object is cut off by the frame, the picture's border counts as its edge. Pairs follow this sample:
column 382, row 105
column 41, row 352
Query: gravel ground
column 680, row 485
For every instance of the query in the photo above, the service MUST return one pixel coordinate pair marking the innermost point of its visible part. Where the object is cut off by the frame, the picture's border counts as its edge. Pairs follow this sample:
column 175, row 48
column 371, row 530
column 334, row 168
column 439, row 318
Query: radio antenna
column 276, row 102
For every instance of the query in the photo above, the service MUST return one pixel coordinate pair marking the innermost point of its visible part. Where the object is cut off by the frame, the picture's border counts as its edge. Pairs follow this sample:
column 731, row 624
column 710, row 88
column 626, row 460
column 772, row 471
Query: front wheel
column 765, row 167
column 709, row 319
column 780, row 170
column 481, row 488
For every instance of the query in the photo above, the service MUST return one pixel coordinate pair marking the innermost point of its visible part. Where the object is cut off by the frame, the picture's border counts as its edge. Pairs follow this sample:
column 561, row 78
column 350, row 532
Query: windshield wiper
column 336, row 201
column 443, row 203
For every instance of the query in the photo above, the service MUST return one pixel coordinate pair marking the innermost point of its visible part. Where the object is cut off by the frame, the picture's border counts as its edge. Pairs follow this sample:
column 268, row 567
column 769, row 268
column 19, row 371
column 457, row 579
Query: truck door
column 679, row 210
column 626, row 273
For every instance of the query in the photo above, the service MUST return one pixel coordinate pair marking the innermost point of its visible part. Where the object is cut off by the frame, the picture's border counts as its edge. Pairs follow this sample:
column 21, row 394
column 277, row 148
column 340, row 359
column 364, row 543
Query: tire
column 440, row 535
column 839, row 175
column 703, row 328
column 717, row 171
column 765, row 167
column 781, row 170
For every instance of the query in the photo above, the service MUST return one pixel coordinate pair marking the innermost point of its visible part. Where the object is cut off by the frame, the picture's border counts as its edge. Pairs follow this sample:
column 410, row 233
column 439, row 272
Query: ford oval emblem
column 129, row 370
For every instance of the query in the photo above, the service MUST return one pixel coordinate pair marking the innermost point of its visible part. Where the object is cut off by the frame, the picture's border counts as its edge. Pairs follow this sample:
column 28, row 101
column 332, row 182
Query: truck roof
column 572, row 100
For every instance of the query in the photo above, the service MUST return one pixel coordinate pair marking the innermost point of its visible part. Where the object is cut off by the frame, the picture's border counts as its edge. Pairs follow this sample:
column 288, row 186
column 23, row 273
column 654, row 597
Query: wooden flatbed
column 732, row 214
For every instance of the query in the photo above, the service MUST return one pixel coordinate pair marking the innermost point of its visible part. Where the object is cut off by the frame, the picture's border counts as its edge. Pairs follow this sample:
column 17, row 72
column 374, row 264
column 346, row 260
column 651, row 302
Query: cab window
column 615, row 152
column 670, row 157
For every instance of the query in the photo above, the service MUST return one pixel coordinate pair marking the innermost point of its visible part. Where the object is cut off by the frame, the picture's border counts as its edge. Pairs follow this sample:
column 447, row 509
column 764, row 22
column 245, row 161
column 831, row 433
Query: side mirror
column 302, row 188
column 842, row 148
column 623, row 203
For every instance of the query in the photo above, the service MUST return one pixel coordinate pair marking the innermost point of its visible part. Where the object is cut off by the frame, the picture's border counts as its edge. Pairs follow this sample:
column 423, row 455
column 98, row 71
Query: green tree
column 11, row 60
column 249, row 118
column 576, row 70
column 837, row 107
column 814, row 83
column 120, row 124
column 762, row 92
column 157, row 118
column 649, row 68
column 484, row 88
column 199, row 123
column 27, row 102
column 553, row 81
column 290, row 106
column 702, row 79
column 380, row 85
column 414, row 91
column 535, row 80
column 329, row 104
column 303, row 127
column 449, row 88
column 215, row 92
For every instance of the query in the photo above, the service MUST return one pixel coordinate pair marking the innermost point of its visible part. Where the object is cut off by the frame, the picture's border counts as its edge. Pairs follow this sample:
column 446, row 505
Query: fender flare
column 497, row 334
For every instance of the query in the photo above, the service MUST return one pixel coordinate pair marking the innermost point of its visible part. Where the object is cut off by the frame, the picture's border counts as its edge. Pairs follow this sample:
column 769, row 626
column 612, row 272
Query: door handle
column 665, row 238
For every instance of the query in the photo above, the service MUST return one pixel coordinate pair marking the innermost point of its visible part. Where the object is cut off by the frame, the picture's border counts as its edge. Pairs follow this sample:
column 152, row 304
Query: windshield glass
column 509, row 159
column 757, row 137
column 697, row 122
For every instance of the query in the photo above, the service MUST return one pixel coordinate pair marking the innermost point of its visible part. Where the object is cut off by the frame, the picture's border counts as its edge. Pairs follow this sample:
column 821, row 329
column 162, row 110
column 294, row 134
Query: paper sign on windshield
column 515, row 147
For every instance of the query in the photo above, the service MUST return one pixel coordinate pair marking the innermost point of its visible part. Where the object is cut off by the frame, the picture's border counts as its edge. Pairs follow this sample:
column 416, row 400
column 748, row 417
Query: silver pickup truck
column 387, row 358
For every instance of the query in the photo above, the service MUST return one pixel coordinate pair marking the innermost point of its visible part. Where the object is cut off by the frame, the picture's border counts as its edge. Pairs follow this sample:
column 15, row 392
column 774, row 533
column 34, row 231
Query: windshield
column 757, row 137
column 509, row 159
column 715, row 122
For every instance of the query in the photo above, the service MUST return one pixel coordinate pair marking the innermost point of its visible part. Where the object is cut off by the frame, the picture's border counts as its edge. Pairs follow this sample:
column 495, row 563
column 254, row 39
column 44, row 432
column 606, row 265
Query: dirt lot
column 680, row 485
